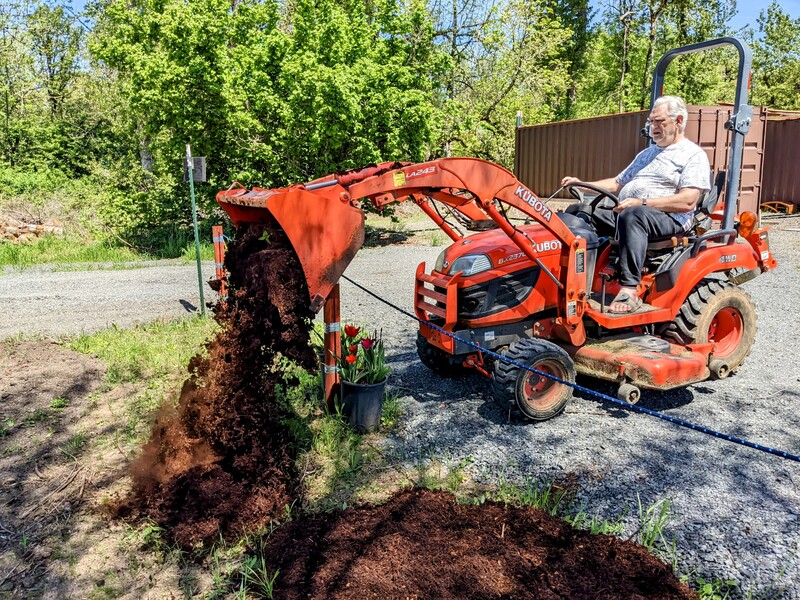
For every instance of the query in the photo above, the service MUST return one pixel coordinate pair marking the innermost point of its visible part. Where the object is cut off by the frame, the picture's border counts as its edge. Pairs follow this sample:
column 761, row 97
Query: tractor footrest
column 595, row 305
column 644, row 315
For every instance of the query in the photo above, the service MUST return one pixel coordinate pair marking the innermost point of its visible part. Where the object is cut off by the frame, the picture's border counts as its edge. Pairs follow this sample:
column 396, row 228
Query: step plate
column 645, row 361
column 644, row 308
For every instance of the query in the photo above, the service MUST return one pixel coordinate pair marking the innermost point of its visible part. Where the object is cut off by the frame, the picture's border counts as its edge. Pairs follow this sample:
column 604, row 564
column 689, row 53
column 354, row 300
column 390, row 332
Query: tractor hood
column 499, row 251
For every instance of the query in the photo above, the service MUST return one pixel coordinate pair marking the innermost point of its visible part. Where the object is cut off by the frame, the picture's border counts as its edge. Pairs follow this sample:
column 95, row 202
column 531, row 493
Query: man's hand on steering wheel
column 573, row 185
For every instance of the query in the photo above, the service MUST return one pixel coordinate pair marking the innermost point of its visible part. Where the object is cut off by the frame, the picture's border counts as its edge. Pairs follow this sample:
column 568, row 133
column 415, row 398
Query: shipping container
column 781, row 179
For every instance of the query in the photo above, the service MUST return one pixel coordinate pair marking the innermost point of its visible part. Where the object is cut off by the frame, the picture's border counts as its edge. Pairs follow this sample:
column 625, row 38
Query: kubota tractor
column 537, row 292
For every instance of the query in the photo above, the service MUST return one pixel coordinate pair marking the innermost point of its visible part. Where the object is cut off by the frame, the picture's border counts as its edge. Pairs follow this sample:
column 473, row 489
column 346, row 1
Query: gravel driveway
column 735, row 512
column 40, row 301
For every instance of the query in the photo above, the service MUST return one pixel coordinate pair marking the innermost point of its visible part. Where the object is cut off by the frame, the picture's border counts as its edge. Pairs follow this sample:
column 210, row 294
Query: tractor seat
column 666, row 256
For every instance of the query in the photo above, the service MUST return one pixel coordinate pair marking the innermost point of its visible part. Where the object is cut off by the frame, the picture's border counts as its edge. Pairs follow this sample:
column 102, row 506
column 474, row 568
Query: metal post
column 332, row 348
column 190, row 166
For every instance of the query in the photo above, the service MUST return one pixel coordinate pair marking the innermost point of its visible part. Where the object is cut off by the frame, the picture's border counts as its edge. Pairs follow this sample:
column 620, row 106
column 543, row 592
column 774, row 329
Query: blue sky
column 748, row 11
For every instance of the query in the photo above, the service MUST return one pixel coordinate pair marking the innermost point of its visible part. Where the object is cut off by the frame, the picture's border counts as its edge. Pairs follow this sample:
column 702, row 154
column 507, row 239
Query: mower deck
column 643, row 360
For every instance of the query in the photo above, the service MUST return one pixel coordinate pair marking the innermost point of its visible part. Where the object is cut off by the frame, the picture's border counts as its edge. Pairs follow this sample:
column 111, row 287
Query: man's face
column 663, row 129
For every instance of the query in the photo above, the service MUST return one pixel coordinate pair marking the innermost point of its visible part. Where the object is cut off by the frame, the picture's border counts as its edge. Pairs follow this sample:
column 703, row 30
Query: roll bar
column 742, row 116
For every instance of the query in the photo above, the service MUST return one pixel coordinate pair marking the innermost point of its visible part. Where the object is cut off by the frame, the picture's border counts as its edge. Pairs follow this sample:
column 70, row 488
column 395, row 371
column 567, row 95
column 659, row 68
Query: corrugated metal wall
column 602, row 147
column 781, row 180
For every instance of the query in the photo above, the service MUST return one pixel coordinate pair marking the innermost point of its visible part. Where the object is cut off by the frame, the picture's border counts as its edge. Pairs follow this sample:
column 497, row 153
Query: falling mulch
column 221, row 462
column 423, row 544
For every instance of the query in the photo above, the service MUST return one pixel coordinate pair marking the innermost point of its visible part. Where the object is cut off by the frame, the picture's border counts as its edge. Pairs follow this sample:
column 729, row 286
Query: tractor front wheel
column 717, row 312
column 538, row 396
column 437, row 360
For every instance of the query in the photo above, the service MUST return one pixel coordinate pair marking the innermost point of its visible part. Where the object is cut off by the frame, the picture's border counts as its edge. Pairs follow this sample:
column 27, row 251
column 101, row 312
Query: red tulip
column 350, row 358
column 367, row 343
column 351, row 330
column 352, row 349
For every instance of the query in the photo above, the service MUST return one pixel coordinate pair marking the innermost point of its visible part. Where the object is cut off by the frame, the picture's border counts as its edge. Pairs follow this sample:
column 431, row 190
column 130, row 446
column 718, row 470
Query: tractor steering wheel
column 601, row 193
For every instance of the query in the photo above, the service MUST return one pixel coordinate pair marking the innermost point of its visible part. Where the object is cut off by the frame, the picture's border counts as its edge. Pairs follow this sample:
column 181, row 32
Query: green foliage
column 595, row 525
column 715, row 589
column 516, row 62
column 776, row 60
column 96, row 123
column 391, row 412
column 74, row 445
column 266, row 107
column 651, row 523
column 629, row 38
column 59, row 403
column 552, row 499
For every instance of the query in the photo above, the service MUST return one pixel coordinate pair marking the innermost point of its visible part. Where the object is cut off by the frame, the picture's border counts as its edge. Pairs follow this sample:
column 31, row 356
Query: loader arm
column 325, row 225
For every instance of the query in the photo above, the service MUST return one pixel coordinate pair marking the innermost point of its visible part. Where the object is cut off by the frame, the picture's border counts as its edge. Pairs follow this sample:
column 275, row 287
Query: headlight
column 439, row 266
column 471, row 264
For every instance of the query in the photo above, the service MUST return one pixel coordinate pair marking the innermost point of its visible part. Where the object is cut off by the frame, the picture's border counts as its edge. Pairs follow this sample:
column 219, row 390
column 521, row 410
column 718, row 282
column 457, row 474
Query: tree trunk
column 626, row 25
column 655, row 13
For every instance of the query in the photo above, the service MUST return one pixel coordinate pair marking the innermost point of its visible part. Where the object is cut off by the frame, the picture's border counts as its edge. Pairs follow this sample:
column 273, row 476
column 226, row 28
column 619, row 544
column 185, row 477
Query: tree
column 521, row 68
column 55, row 41
column 575, row 16
column 269, row 103
column 776, row 60
column 632, row 33
column 17, row 85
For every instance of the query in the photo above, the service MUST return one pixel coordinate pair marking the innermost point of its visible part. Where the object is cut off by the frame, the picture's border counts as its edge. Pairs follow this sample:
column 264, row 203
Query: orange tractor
column 536, row 292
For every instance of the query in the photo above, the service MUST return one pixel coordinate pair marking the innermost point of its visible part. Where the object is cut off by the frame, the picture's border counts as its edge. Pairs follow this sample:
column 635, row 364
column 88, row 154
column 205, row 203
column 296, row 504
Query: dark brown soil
column 221, row 463
column 422, row 544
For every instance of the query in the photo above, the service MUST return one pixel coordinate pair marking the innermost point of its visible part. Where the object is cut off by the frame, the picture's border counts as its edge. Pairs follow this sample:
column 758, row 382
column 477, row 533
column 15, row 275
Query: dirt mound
column 424, row 544
column 221, row 461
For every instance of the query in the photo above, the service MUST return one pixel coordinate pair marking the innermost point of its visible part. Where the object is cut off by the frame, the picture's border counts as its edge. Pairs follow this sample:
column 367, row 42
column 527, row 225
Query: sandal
column 632, row 301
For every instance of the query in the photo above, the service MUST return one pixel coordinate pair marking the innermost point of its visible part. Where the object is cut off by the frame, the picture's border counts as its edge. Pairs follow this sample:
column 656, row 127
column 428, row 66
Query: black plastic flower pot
column 362, row 404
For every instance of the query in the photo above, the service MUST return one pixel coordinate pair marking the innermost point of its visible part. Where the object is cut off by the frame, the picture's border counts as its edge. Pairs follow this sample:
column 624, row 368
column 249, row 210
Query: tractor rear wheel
column 537, row 396
column 437, row 360
column 718, row 312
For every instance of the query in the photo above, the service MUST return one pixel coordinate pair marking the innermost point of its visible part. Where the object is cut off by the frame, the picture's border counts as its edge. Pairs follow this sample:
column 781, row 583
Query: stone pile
column 17, row 232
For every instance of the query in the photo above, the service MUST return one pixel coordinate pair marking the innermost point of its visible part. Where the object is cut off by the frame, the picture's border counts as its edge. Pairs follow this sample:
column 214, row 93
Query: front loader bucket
column 324, row 230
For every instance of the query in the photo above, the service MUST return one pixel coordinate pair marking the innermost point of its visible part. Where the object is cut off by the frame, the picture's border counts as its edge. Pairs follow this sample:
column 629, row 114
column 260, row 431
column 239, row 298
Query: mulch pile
column 221, row 464
column 422, row 544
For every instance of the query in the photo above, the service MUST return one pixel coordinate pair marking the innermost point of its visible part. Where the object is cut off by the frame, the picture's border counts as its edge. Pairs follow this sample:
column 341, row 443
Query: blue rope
column 627, row 405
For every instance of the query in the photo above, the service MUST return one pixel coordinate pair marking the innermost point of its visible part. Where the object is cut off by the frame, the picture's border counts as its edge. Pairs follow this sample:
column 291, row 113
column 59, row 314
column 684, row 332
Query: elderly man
column 657, row 195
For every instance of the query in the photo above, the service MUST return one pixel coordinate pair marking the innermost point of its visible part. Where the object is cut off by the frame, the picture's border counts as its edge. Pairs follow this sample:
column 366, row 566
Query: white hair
column 675, row 106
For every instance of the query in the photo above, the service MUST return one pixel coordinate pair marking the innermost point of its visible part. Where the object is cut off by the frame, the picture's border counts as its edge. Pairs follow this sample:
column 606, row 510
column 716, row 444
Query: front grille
column 496, row 295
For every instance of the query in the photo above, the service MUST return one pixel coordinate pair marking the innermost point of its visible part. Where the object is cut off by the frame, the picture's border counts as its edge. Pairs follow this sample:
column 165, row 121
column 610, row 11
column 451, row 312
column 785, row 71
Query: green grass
column 153, row 355
column 59, row 403
column 52, row 249
column 67, row 251
column 71, row 251
column 391, row 412
column 74, row 445
column 257, row 578
column 149, row 351
column 189, row 252
column 437, row 238
column 651, row 524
